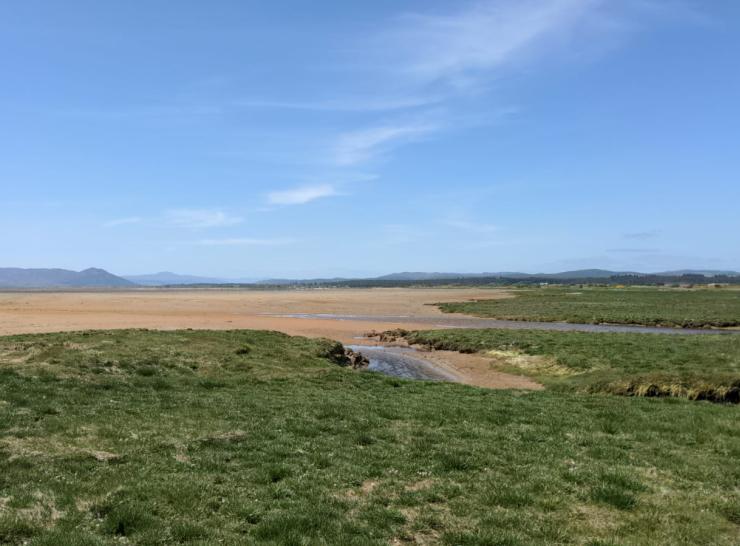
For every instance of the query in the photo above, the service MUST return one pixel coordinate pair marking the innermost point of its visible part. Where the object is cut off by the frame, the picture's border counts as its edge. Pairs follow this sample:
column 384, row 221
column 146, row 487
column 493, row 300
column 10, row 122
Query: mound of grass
column 705, row 367
column 285, row 447
column 645, row 306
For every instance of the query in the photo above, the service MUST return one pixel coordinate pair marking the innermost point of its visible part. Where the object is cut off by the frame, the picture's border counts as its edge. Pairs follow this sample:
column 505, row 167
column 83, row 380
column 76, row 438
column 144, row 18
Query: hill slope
column 168, row 278
column 15, row 277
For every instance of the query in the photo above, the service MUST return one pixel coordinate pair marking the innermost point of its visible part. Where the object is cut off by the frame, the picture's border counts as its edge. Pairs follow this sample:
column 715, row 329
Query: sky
column 248, row 139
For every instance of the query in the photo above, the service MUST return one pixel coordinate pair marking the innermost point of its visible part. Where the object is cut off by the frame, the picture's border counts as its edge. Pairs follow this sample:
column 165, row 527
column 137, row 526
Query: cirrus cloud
column 200, row 218
column 358, row 146
column 301, row 194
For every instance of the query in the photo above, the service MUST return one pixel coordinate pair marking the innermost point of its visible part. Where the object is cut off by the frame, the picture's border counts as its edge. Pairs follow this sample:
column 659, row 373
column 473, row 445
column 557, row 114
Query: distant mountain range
column 578, row 274
column 14, row 277
column 167, row 278
column 60, row 278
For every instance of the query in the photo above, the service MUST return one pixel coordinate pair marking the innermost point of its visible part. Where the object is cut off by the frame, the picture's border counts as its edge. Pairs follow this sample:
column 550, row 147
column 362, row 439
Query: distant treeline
column 626, row 280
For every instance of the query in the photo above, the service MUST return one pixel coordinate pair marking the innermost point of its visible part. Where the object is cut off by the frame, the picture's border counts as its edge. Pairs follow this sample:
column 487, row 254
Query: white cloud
column 359, row 146
column 200, row 218
column 457, row 48
column 244, row 241
column 123, row 221
column 301, row 195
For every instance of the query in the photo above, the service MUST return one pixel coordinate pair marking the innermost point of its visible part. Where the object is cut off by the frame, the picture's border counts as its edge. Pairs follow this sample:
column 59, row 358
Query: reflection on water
column 404, row 362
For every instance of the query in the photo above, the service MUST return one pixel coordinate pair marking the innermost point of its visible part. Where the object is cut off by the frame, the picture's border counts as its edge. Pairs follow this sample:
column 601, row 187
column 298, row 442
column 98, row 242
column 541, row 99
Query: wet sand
column 341, row 314
column 415, row 363
column 312, row 313
column 281, row 310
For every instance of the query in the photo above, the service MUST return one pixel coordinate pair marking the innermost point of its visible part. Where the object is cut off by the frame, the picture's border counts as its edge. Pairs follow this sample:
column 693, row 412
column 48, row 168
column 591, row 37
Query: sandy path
column 35, row 312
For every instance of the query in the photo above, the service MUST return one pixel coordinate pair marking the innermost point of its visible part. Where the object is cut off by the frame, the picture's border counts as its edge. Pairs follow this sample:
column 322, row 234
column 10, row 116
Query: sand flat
column 31, row 312
column 169, row 309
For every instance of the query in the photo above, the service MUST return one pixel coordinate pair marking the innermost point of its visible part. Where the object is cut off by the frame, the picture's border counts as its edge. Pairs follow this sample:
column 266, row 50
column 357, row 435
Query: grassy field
column 705, row 367
column 711, row 307
column 197, row 437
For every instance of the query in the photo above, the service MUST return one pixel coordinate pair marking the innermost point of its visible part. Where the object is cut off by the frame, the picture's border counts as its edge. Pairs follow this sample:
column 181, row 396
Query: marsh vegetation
column 238, row 437
column 705, row 367
column 649, row 306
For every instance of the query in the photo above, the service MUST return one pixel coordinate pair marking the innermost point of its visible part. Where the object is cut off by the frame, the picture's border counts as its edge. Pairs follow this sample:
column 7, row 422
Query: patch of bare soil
column 366, row 488
column 479, row 370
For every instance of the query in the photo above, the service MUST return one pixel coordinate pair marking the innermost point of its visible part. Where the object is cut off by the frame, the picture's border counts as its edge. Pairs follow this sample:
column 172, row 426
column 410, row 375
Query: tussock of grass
column 697, row 390
column 705, row 367
column 701, row 308
column 536, row 364
column 285, row 447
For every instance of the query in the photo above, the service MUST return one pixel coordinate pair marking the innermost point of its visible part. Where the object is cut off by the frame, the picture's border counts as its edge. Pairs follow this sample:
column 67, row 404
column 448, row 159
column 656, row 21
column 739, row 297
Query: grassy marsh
column 199, row 437
column 679, row 307
column 705, row 367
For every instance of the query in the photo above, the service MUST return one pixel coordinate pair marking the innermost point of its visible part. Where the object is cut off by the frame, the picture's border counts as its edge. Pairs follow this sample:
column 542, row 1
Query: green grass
column 142, row 437
column 704, row 367
column 647, row 306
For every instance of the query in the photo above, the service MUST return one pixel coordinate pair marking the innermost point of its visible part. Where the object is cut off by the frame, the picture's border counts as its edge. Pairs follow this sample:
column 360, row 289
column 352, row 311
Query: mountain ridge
column 168, row 278
column 17, row 277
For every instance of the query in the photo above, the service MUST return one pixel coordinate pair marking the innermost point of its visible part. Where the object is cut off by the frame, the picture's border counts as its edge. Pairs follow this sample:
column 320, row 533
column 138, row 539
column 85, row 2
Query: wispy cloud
column 301, row 195
column 244, row 241
column 200, row 218
column 450, row 54
column 457, row 48
column 359, row 146
column 123, row 221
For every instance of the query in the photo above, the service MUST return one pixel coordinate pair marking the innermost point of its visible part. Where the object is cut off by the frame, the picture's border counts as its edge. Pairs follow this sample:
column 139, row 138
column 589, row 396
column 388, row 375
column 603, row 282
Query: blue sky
column 241, row 139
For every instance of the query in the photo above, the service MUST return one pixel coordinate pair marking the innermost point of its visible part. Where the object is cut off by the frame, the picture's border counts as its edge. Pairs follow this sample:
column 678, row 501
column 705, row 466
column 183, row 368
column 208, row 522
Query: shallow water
column 404, row 362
